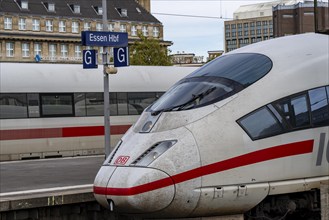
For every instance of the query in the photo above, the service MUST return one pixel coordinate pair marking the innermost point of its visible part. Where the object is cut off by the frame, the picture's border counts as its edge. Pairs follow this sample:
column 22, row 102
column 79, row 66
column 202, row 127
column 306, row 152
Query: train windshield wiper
column 195, row 100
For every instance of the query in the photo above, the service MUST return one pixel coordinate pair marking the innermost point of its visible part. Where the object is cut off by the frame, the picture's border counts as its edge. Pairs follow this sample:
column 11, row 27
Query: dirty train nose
column 133, row 189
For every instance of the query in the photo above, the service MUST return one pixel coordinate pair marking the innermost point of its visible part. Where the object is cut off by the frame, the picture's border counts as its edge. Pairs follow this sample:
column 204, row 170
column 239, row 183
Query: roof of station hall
column 135, row 12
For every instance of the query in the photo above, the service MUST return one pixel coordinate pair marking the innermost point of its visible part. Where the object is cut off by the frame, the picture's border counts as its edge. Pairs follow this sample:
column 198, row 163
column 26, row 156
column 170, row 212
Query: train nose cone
column 136, row 190
column 100, row 183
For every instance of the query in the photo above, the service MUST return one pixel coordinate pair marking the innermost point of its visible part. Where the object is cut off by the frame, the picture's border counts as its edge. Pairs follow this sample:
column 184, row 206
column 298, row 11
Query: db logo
column 121, row 160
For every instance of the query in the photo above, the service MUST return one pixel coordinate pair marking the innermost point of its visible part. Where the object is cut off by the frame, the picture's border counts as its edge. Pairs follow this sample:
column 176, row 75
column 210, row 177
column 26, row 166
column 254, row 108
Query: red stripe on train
column 60, row 132
column 276, row 152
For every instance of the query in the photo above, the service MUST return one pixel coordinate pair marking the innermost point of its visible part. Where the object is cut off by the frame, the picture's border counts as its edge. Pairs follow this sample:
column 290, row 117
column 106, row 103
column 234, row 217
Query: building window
column 99, row 26
column 64, row 50
column 24, row 5
column 98, row 10
column 122, row 12
column 52, row 51
column 37, row 49
column 86, row 26
column 287, row 16
column 49, row 25
column 8, row 22
column 156, row 32
column 51, row 7
column 77, row 51
column 35, row 24
column 75, row 9
column 123, row 28
column 145, row 31
column 10, row 49
column 22, row 24
column 62, row 26
column 75, row 27
column 133, row 30
column 25, row 50
column 110, row 27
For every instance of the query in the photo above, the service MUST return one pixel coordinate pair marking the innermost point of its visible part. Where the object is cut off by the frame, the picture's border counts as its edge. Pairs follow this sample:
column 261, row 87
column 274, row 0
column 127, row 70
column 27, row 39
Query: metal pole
column 107, row 131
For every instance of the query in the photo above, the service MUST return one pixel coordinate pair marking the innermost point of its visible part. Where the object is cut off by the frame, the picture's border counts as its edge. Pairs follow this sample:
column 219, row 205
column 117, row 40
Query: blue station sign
column 121, row 56
column 89, row 60
column 104, row 38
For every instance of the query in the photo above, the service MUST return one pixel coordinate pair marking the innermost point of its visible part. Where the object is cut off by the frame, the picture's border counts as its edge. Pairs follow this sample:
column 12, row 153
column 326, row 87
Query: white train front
column 251, row 125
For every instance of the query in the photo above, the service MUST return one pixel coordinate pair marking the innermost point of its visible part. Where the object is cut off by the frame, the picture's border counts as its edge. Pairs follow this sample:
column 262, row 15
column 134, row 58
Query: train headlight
column 153, row 153
column 147, row 127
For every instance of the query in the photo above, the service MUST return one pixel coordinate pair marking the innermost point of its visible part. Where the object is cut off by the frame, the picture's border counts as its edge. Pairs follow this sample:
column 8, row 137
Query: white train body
column 26, row 130
column 205, row 158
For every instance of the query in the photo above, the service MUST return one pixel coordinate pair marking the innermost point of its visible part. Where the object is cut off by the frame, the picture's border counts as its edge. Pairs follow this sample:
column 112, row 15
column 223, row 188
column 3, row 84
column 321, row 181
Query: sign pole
column 107, row 131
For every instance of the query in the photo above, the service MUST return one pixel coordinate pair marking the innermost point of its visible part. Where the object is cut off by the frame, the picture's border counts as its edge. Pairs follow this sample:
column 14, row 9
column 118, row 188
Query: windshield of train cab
column 215, row 81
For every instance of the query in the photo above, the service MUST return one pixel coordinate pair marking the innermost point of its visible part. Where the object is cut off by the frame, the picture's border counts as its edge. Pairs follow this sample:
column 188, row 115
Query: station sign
column 89, row 59
column 121, row 56
column 104, row 38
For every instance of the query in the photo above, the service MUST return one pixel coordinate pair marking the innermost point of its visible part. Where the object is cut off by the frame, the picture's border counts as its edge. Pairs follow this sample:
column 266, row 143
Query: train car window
column 138, row 101
column 33, row 105
column 113, row 104
column 57, row 105
column 295, row 111
column 80, row 104
column 319, row 106
column 122, row 103
column 244, row 68
column 269, row 125
column 300, row 110
column 13, row 105
column 95, row 104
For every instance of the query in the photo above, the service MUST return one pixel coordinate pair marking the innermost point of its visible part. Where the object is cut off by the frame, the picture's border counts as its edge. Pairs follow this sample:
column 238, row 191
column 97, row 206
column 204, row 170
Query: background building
column 212, row 54
column 52, row 29
column 250, row 24
column 299, row 18
column 258, row 22
column 186, row 59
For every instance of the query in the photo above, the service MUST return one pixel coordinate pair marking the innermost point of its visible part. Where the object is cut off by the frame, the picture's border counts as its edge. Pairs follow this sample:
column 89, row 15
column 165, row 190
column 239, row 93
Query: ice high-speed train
column 54, row 110
column 248, row 130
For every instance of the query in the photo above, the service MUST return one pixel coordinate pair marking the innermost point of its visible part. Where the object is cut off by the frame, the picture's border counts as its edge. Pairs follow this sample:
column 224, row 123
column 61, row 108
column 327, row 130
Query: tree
column 149, row 52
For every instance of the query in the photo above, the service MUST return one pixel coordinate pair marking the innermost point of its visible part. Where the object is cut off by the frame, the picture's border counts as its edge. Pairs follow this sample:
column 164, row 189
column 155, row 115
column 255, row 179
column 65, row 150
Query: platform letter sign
column 121, row 57
column 90, row 59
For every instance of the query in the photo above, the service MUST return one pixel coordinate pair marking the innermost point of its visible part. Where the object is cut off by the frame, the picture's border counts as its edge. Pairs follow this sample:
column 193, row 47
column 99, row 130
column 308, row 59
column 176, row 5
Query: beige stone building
column 52, row 29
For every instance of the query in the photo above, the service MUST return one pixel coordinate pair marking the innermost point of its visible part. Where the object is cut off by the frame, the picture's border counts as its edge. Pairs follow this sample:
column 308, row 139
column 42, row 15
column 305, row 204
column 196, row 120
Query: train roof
column 293, row 48
column 47, row 78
